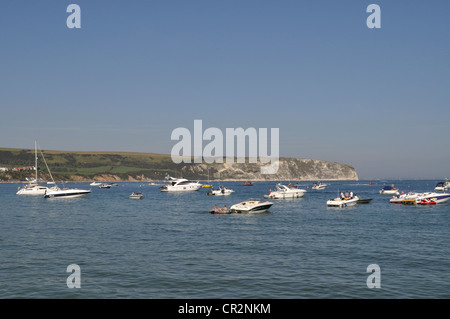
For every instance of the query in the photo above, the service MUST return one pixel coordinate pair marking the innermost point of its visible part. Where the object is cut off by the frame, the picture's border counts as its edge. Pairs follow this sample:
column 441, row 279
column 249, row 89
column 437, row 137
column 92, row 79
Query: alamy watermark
column 234, row 149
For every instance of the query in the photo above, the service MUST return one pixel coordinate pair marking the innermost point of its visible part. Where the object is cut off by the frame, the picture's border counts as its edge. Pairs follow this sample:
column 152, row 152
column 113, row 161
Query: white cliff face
column 289, row 169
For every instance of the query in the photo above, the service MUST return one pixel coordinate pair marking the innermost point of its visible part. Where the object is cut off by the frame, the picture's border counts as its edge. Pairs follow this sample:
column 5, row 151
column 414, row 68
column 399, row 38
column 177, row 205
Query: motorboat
column 181, row 185
column 135, row 195
column 222, row 191
column 32, row 187
column 439, row 198
column 251, row 206
column 343, row 202
column 248, row 183
column 389, row 190
column 442, row 186
column 319, row 186
column 364, row 201
column 414, row 198
column 399, row 198
column 95, row 184
column 66, row 193
column 105, row 185
column 284, row 191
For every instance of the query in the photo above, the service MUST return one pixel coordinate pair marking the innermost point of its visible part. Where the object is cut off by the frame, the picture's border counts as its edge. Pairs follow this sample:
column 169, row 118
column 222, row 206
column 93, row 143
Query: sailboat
column 32, row 188
column 207, row 185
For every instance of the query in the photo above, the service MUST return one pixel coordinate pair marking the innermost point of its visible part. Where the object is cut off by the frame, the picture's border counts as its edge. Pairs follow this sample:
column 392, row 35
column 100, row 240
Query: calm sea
column 168, row 245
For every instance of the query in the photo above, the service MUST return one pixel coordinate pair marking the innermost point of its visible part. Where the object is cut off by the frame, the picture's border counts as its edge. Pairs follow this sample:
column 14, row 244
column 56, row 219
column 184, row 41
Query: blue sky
column 377, row 99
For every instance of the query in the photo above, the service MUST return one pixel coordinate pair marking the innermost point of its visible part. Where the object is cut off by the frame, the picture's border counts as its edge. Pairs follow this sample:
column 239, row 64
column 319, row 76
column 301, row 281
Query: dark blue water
column 169, row 246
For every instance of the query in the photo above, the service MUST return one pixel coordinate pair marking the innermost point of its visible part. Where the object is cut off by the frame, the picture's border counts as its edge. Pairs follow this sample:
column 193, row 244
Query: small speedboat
column 95, row 184
column 389, row 190
column 135, row 195
column 222, row 191
column 251, row 206
column 342, row 202
column 284, row 192
column 105, row 186
column 364, row 201
column 319, row 186
column 248, row 183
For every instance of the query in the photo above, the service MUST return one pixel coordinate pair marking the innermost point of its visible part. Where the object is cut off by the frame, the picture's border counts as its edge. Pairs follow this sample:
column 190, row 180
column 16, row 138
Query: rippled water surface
column 168, row 245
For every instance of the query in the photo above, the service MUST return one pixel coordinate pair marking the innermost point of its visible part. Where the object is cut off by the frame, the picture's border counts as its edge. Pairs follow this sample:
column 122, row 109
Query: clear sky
column 377, row 99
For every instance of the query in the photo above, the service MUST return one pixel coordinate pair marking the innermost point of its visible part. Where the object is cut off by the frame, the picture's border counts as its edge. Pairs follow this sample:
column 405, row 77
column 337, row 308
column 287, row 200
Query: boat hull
column 341, row 203
column 71, row 193
column 251, row 207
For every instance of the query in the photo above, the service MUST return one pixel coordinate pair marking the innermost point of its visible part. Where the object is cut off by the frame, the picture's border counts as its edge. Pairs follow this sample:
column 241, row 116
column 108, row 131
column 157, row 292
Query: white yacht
column 319, row 186
column 32, row 188
column 342, row 202
column 442, row 186
column 66, row 193
column 180, row 185
column 284, row 191
column 251, row 206
column 222, row 191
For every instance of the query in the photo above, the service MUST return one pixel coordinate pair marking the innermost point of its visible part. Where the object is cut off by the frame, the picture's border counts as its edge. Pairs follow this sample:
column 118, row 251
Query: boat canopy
column 386, row 188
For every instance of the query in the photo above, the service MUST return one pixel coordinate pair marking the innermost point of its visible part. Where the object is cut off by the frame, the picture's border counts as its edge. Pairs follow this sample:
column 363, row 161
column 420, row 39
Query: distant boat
column 248, row 183
column 389, row 190
column 105, row 186
column 180, row 185
column 442, row 186
column 135, row 195
column 319, row 186
column 95, row 183
column 284, row 191
column 32, row 188
column 222, row 191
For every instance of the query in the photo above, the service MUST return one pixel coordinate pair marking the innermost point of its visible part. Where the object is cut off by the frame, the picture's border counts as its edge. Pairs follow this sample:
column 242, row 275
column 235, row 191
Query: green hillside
column 68, row 165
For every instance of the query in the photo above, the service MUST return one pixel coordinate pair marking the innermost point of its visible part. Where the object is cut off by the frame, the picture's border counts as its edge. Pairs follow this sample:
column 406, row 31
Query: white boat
column 105, row 185
column 319, row 186
column 180, row 185
column 414, row 198
column 32, row 188
column 389, row 190
column 66, row 193
column 284, row 191
column 222, row 191
column 399, row 198
column 251, row 206
column 343, row 202
column 442, row 186
column 135, row 195
column 95, row 183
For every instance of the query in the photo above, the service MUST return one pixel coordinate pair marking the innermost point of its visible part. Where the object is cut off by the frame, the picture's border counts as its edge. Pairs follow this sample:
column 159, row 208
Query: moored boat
column 342, row 202
column 251, row 206
column 284, row 192
column 181, row 185
column 222, row 191
column 319, row 186
column 66, row 193
column 389, row 190
column 135, row 195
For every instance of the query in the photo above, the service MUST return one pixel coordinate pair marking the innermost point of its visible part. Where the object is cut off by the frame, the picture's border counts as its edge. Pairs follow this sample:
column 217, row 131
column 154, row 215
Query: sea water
column 168, row 245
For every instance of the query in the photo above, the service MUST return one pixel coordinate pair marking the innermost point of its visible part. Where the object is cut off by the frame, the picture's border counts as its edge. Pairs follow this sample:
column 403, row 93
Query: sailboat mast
column 35, row 159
